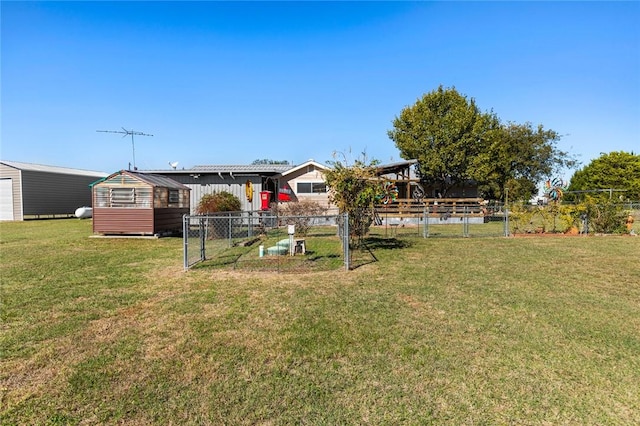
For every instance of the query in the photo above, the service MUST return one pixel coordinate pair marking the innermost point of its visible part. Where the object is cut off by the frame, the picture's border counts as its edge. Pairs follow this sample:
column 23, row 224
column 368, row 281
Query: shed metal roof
column 52, row 169
column 153, row 180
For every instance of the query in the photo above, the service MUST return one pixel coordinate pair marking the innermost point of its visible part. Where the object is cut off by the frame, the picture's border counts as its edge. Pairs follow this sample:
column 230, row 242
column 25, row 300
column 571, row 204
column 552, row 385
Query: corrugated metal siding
column 123, row 221
column 208, row 184
column 53, row 193
column 16, row 181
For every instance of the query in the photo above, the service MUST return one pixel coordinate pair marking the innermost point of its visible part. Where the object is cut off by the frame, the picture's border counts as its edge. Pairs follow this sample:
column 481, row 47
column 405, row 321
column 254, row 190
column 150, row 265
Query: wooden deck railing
column 436, row 206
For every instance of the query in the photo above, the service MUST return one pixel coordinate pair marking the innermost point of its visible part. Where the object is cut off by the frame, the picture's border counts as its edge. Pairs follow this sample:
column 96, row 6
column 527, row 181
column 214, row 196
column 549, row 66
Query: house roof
column 396, row 167
column 239, row 169
column 253, row 168
column 305, row 164
column 52, row 169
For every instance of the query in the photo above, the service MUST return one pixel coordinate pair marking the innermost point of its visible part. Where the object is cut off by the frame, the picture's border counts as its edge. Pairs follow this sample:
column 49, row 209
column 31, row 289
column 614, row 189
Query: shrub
column 354, row 190
column 606, row 217
column 218, row 202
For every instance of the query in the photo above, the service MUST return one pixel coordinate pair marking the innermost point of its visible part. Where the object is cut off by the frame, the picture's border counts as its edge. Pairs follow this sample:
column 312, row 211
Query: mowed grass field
column 536, row 330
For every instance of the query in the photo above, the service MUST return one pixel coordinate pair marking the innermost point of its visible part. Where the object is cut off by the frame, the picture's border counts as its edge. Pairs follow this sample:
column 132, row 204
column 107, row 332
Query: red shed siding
column 169, row 219
column 123, row 221
column 137, row 221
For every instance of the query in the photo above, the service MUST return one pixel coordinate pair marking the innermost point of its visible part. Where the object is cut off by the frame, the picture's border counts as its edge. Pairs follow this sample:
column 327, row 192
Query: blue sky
column 228, row 83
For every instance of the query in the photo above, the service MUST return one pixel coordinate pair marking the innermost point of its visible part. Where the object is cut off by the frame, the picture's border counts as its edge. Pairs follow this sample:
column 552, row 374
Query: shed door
column 6, row 199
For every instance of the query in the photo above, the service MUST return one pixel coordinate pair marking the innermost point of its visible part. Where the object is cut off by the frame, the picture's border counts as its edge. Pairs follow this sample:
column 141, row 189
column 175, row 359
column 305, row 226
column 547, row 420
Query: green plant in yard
column 218, row 202
column 521, row 218
column 605, row 216
column 571, row 215
column 354, row 190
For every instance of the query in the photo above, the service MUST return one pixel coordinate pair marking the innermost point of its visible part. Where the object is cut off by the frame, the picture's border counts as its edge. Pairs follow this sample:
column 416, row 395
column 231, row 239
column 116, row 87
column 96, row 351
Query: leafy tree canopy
column 454, row 142
column 616, row 174
column 268, row 161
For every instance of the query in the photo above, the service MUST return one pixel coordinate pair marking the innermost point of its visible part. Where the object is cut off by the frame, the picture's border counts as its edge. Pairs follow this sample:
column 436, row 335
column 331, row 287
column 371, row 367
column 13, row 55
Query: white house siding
column 306, row 174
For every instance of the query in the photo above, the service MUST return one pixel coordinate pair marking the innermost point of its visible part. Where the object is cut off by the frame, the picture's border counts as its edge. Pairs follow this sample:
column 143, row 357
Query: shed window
column 128, row 197
column 122, row 196
column 311, row 188
column 174, row 196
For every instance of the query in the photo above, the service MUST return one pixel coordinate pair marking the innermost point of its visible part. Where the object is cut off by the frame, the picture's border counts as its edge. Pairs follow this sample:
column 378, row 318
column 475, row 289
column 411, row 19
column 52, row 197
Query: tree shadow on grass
column 381, row 243
column 364, row 253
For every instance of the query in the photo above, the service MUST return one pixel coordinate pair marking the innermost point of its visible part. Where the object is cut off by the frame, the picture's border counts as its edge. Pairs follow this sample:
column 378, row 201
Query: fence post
column 426, row 221
column 465, row 222
column 345, row 241
column 506, row 222
column 185, row 241
column 203, row 239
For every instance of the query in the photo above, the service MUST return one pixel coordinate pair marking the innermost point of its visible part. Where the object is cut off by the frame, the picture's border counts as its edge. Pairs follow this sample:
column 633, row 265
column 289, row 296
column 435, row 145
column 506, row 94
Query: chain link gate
column 260, row 240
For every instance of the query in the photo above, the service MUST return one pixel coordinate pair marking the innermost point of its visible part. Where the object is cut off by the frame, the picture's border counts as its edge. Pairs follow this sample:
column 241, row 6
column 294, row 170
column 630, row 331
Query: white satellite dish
column 173, row 164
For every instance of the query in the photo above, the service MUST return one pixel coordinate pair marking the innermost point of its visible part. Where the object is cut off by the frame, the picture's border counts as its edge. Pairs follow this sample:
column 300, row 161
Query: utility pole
column 124, row 132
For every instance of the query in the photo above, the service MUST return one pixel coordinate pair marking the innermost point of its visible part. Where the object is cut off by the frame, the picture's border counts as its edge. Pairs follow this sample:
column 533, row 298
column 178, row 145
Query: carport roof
column 51, row 169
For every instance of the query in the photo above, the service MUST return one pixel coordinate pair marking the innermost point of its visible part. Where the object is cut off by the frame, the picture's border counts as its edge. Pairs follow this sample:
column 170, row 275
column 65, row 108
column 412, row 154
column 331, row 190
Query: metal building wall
column 45, row 193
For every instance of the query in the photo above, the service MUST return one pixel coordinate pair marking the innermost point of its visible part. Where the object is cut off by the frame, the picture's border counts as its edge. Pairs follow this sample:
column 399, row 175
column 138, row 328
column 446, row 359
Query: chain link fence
column 262, row 241
column 566, row 218
column 433, row 222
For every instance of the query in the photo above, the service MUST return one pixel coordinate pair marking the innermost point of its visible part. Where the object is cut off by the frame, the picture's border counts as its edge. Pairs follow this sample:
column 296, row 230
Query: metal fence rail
column 261, row 240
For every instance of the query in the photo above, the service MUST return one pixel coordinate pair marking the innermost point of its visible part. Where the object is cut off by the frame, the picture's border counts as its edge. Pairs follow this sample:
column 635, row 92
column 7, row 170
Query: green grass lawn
column 537, row 330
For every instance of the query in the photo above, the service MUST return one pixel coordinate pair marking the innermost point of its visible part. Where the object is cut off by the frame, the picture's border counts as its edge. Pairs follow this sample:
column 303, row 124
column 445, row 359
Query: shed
column 31, row 191
column 133, row 203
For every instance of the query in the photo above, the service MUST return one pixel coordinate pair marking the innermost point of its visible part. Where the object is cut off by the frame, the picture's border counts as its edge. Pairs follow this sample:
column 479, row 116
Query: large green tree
column 516, row 158
column 616, row 174
column 444, row 131
column 454, row 142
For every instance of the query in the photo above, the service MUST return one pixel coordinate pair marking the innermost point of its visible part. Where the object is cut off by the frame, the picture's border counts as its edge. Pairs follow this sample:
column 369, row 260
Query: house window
column 311, row 188
column 174, row 196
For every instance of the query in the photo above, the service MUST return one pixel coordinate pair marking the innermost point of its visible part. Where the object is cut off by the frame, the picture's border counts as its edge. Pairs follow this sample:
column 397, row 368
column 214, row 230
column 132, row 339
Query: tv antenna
column 124, row 132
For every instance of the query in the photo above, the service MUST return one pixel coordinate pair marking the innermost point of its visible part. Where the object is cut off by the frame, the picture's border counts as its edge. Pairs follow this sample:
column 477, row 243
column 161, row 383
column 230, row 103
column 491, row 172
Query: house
column 304, row 182
column 30, row 191
column 128, row 202
column 257, row 186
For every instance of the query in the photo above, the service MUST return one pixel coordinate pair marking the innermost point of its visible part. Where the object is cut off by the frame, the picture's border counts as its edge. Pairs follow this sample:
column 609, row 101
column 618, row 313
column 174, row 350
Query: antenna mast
column 124, row 132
